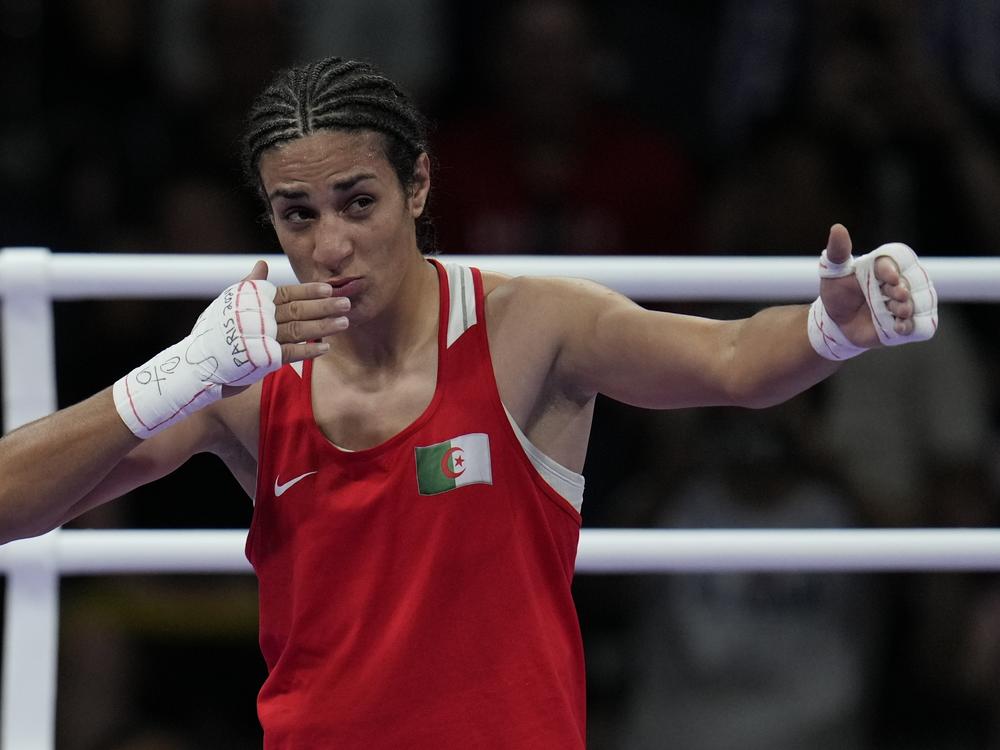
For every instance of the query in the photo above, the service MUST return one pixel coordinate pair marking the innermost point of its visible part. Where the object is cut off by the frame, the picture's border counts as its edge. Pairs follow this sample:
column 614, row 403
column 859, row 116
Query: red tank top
column 415, row 594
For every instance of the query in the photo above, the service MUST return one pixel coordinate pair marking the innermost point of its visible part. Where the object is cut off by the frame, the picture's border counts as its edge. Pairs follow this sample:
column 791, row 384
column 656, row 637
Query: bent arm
column 66, row 463
column 663, row 360
column 59, row 466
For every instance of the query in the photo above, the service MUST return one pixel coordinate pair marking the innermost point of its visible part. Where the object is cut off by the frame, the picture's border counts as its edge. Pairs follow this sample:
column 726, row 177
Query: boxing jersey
column 416, row 594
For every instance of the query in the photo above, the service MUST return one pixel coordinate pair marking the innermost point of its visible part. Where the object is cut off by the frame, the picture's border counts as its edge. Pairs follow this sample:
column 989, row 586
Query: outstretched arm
column 61, row 465
column 662, row 360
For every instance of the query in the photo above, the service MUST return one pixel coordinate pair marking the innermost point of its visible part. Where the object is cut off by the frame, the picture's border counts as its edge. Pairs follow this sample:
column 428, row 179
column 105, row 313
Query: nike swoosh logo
column 281, row 489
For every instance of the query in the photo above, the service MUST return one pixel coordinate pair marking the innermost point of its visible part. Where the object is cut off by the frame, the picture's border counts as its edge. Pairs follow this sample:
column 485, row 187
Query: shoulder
column 545, row 325
column 559, row 309
column 559, row 299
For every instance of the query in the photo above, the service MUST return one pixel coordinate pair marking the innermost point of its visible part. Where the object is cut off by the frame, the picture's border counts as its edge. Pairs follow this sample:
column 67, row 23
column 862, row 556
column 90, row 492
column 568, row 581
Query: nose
column 332, row 242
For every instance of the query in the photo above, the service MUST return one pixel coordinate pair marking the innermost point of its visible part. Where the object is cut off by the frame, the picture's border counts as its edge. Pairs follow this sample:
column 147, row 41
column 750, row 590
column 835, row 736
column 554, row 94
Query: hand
column 304, row 313
column 845, row 301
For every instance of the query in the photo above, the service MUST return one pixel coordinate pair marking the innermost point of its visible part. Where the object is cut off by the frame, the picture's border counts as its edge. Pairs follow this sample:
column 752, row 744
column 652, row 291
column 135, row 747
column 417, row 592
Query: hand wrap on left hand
column 825, row 335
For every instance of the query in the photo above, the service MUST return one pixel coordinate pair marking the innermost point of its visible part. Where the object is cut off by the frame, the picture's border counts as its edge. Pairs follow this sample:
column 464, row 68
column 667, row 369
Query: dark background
column 716, row 127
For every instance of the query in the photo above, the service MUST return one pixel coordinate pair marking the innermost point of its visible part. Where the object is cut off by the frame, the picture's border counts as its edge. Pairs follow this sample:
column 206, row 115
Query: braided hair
column 338, row 94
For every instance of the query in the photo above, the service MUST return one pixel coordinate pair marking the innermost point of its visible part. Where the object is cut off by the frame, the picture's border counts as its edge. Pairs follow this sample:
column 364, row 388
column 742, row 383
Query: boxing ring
column 32, row 278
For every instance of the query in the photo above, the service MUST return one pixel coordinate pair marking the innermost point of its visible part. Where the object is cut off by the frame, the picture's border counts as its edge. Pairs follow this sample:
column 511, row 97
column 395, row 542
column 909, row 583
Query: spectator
column 775, row 661
column 546, row 166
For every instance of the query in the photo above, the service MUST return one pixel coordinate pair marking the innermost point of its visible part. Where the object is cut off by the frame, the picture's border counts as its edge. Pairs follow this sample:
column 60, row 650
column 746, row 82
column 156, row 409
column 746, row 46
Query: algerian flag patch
column 454, row 463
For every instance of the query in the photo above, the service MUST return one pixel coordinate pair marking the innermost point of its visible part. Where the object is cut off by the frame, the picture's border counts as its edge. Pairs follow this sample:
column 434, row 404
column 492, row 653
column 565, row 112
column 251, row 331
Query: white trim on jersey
column 462, row 294
column 567, row 483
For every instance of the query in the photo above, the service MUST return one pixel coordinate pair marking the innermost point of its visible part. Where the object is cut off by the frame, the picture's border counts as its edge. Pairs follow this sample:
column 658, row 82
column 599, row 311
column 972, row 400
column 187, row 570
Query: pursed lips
column 346, row 286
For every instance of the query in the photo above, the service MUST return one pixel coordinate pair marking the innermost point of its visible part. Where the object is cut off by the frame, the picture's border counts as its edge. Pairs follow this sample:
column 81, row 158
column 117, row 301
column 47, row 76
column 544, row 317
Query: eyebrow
column 349, row 182
column 345, row 184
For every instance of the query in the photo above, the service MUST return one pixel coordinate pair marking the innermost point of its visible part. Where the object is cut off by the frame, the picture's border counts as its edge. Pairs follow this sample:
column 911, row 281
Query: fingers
column 838, row 245
column 311, row 309
column 895, row 294
column 904, row 326
column 259, row 272
column 306, row 312
column 887, row 271
column 297, row 331
column 900, row 310
column 292, row 292
column 300, row 352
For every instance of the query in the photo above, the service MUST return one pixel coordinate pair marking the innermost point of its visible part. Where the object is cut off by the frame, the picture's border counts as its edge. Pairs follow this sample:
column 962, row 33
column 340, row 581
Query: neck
column 405, row 325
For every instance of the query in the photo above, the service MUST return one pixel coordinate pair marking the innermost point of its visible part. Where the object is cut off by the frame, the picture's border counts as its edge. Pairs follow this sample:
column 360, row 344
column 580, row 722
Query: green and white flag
column 454, row 463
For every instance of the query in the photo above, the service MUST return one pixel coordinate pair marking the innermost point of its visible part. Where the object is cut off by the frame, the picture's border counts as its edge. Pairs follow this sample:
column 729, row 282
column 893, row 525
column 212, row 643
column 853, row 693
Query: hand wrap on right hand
column 232, row 343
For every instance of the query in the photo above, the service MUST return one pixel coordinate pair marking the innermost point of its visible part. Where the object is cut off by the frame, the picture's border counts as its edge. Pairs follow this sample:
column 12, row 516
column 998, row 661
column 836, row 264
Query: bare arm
column 63, row 465
column 664, row 360
column 609, row 345
column 66, row 463
column 49, row 466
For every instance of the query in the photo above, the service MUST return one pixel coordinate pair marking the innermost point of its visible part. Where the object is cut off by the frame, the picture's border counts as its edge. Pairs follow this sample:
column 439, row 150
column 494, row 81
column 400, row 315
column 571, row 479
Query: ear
column 421, row 185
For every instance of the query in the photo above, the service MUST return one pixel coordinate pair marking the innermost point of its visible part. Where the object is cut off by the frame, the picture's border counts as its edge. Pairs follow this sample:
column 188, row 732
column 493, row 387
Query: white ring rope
column 716, row 278
column 601, row 551
column 30, row 278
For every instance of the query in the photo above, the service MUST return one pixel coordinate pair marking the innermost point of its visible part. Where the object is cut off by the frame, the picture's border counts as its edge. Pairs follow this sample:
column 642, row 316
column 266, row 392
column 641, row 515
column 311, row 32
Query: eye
column 361, row 204
column 296, row 215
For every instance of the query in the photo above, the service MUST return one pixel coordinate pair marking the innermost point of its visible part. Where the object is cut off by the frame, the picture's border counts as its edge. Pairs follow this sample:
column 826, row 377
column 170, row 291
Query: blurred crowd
column 571, row 127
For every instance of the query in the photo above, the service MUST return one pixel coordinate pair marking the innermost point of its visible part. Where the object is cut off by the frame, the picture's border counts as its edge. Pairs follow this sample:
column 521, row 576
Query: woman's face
column 342, row 216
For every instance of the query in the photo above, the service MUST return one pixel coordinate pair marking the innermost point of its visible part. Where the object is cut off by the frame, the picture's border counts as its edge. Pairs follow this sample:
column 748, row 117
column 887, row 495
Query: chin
column 359, row 314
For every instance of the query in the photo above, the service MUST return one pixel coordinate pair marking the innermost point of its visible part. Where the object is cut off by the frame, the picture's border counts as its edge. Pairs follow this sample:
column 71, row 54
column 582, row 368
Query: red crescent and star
column 446, row 470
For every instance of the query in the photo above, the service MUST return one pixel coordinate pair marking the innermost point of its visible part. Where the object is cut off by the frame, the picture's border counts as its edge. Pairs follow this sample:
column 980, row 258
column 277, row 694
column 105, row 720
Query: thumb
column 259, row 272
column 838, row 246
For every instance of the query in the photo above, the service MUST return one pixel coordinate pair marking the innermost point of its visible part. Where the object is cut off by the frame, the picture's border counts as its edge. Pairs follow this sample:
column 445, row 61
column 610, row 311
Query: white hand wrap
column 827, row 338
column 922, row 293
column 825, row 335
column 234, row 342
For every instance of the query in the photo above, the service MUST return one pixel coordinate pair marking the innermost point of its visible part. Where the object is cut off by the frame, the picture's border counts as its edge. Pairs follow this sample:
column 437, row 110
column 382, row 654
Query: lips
column 346, row 286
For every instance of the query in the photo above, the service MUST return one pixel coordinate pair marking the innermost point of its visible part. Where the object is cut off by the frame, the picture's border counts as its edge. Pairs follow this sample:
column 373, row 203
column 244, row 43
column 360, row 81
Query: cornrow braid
column 338, row 94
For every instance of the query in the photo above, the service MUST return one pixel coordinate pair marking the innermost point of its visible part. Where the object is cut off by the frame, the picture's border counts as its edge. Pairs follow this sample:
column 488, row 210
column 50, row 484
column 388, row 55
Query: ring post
column 31, row 629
